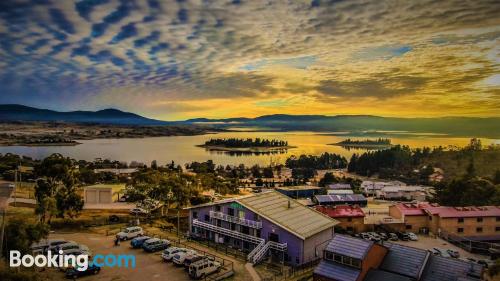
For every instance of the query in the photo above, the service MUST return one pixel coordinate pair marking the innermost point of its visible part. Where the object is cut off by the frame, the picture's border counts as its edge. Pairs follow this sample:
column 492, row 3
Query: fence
column 227, row 265
column 469, row 245
column 285, row 273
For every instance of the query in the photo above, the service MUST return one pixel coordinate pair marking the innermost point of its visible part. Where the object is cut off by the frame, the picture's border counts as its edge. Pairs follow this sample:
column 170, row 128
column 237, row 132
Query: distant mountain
column 364, row 125
column 367, row 124
column 15, row 112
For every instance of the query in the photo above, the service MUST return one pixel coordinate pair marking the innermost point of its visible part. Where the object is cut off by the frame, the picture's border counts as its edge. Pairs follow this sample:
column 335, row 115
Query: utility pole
column 2, row 233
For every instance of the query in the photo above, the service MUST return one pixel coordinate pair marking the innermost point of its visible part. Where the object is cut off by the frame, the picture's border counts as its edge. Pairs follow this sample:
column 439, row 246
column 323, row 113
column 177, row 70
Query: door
column 274, row 237
column 91, row 196
column 105, row 196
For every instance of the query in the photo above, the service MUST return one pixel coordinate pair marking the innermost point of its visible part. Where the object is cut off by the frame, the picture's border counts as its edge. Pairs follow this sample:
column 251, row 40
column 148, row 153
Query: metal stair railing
column 256, row 249
column 232, row 233
column 257, row 257
column 226, row 217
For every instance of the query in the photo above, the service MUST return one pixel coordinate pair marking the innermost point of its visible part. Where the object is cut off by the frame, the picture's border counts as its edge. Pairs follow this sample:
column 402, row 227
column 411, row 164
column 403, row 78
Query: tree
column 20, row 235
column 327, row 179
column 59, row 177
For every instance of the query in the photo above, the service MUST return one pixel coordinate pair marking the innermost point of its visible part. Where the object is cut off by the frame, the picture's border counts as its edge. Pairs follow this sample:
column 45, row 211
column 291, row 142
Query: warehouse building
column 341, row 199
column 268, row 224
column 351, row 259
column 302, row 191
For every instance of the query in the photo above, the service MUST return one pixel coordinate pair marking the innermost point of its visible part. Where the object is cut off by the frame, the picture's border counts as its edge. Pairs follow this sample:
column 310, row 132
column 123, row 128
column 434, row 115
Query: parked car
column 383, row 236
column 194, row 258
column 453, row 253
column 138, row 241
column 365, row 236
column 412, row 236
column 130, row 232
column 138, row 211
column 393, row 237
column 181, row 256
column 73, row 273
column 203, row 267
column 53, row 246
column 442, row 252
column 42, row 246
column 155, row 244
column 81, row 250
column 66, row 246
column 169, row 253
column 403, row 236
column 435, row 252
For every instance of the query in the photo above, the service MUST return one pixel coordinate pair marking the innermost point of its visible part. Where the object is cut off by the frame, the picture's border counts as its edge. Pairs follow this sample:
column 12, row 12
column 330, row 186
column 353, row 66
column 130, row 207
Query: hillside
column 15, row 112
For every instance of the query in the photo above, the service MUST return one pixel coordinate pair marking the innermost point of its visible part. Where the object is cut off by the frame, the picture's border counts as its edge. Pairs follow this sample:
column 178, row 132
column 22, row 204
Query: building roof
column 449, row 269
column 340, row 198
column 424, row 208
column 299, row 187
column 339, row 186
column 287, row 213
column 464, row 212
column 380, row 275
column 337, row 271
column 404, row 260
column 339, row 191
column 349, row 246
column 412, row 209
column 341, row 211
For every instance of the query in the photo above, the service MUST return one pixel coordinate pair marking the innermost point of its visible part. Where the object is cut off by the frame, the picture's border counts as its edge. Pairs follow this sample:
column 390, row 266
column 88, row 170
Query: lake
column 182, row 149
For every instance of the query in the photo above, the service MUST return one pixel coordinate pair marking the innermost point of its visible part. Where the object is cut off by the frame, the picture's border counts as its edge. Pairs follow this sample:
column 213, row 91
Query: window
column 408, row 226
column 479, row 229
column 460, row 220
column 356, row 263
column 328, row 256
column 430, row 218
column 207, row 218
column 460, row 230
column 241, row 214
column 233, row 226
column 230, row 211
column 497, row 228
column 479, row 219
column 217, row 208
column 349, row 219
column 498, row 218
column 337, row 258
column 255, row 217
column 195, row 215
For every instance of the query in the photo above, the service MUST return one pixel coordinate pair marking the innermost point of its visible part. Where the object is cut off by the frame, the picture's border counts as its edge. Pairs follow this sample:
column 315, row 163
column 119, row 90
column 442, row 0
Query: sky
column 175, row 60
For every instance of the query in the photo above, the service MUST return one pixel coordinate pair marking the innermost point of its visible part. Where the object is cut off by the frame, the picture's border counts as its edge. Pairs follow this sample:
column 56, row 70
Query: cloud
column 259, row 54
column 381, row 86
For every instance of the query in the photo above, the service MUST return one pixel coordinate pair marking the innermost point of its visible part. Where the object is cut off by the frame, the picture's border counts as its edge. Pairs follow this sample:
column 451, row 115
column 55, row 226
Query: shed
column 97, row 194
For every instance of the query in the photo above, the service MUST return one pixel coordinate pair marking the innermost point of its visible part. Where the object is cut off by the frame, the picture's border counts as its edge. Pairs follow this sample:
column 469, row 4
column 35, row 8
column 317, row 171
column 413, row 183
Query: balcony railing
column 237, row 220
column 228, row 232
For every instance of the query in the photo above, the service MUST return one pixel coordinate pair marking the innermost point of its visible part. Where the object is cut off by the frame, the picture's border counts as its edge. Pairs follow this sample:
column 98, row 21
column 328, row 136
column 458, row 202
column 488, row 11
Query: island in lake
column 365, row 144
column 257, row 145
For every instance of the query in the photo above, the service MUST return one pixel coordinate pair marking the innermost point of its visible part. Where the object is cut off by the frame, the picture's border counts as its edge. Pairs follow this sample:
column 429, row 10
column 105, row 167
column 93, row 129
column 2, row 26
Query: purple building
column 268, row 224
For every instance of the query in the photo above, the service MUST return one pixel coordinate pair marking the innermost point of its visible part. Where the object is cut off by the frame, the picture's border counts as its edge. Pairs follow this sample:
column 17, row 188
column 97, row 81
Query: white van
column 130, row 232
column 202, row 268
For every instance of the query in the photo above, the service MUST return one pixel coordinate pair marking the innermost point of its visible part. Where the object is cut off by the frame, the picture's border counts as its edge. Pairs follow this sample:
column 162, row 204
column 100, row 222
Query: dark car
column 73, row 273
column 403, row 236
column 138, row 241
column 155, row 244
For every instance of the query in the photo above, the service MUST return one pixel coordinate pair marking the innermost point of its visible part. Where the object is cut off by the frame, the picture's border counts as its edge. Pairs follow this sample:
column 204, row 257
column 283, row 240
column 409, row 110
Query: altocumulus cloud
column 60, row 54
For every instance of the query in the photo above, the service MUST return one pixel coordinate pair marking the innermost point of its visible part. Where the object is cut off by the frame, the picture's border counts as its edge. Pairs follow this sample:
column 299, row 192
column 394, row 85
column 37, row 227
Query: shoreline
column 363, row 145
column 244, row 149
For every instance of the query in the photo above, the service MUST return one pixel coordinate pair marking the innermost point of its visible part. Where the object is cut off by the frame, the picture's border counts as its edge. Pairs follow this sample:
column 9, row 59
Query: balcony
column 240, row 221
column 228, row 232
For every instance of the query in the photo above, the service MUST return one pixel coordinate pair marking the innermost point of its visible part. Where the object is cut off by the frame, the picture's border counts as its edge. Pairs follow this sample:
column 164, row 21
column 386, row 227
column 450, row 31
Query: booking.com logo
column 80, row 262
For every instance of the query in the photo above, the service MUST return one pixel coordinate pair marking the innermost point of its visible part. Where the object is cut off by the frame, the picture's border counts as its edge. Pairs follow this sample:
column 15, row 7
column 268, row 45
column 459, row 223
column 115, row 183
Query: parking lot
column 427, row 243
column 149, row 266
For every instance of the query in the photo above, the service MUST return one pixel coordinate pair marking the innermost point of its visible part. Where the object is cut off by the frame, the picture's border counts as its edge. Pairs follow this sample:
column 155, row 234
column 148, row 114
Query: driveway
column 148, row 266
